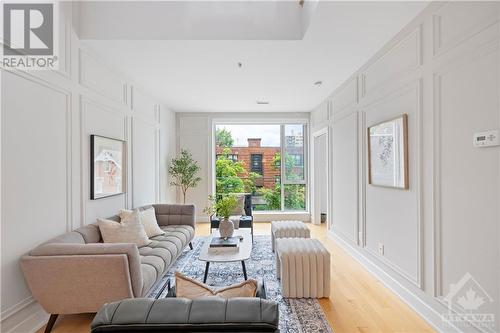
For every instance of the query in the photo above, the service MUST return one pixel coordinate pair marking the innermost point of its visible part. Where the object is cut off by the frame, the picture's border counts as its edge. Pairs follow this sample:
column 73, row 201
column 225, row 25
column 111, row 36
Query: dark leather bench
column 208, row 314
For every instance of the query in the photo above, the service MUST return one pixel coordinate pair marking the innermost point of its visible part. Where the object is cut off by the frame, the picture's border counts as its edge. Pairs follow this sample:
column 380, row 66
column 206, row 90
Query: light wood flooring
column 358, row 302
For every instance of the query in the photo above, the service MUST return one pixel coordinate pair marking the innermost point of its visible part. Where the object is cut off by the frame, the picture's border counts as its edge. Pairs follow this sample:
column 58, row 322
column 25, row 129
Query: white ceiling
column 203, row 75
column 194, row 20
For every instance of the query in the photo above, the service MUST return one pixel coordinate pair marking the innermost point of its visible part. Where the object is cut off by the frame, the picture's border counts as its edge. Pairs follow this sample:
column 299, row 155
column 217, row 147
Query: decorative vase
column 226, row 228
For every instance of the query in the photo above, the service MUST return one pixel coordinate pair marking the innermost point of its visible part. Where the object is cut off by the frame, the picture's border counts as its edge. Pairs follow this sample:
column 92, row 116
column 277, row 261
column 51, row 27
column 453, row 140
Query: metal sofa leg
column 51, row 322
column 190, row 245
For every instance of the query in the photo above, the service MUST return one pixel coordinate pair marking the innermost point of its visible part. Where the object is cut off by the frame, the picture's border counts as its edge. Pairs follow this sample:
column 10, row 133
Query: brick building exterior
column 256, row 159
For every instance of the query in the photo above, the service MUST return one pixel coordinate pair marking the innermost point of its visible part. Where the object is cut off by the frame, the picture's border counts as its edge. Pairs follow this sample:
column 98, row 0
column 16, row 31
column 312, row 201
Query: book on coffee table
column 218, row 242
column 224, row 249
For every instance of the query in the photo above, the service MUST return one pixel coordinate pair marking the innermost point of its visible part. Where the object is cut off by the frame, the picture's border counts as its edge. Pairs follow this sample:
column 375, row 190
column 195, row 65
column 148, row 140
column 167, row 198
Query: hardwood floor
column 357, row 303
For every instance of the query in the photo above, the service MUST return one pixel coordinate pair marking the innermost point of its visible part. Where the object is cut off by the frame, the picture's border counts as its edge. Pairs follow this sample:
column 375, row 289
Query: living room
column 166, row 122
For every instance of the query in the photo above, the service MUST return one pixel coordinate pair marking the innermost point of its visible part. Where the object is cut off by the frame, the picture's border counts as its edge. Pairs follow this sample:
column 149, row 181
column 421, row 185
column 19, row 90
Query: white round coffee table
column 243, row 253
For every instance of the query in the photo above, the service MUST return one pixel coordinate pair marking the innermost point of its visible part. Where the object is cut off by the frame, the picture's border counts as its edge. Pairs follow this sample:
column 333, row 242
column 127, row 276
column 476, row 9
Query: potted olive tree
column 184, row 172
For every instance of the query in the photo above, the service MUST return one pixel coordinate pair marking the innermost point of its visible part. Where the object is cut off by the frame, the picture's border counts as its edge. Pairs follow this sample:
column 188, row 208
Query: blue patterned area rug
column 296, row 315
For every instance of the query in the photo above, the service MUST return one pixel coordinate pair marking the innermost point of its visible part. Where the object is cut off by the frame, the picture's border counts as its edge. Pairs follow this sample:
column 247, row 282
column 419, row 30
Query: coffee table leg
column 244, row 270
column 206, row 272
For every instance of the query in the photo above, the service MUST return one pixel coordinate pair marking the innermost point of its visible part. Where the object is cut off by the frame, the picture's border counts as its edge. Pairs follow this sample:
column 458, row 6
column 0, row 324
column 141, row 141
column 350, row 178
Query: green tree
column 295, row 197
column 223, row 138
column 249, row 182
column 228, row 173
column 184, row 172
column 294, row 193
column 272, row 197
column 289, row 166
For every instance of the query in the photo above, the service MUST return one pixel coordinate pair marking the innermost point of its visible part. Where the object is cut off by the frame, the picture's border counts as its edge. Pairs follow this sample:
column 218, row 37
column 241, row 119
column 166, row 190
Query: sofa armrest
column 94, row 272
column 174, row 214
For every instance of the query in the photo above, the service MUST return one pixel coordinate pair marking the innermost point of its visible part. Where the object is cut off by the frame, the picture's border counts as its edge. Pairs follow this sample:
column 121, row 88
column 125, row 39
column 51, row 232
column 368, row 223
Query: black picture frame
column 117, row 160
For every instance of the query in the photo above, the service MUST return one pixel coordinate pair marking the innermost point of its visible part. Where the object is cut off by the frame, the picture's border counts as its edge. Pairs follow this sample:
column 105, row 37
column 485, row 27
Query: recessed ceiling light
column 240, row 65
column 262, row 102
column 318, row 83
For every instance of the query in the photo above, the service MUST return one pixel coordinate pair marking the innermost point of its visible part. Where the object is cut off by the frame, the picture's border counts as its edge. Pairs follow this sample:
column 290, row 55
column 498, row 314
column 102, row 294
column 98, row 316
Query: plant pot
column 226, row 228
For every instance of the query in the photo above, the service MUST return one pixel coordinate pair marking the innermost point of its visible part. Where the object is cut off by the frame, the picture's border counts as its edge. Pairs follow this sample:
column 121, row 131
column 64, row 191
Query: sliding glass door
column 249, row 160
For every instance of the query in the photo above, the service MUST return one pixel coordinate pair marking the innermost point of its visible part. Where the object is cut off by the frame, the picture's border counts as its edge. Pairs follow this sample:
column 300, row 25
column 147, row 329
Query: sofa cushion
column 161, row 252
column 90, row 233
column 184, row 233
column 174, row 214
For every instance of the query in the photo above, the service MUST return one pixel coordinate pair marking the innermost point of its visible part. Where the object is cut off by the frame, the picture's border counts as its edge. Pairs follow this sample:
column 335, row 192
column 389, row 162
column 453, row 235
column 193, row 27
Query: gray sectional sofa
column 77, row 273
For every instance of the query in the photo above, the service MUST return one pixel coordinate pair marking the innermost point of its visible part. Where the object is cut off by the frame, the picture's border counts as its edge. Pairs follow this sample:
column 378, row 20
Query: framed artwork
column 388, row 153
column 107, row 167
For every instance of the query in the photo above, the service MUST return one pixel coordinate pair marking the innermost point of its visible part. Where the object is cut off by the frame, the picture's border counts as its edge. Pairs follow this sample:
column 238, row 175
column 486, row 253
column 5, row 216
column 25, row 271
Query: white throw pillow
column 239, row 210
column 148, row 220
column 129, row 230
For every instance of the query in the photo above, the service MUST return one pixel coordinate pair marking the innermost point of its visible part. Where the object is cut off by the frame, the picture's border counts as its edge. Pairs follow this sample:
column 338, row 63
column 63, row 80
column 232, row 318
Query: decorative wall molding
column 346, row 96
column 97, row 77
column 460, row 59
column 362, row 175
column 142, row 105
column 403, row 57
column 85, row 102
column 413, row 87
column 68, row 133
column 338, row 119
column 450, row 26
column 65, row 31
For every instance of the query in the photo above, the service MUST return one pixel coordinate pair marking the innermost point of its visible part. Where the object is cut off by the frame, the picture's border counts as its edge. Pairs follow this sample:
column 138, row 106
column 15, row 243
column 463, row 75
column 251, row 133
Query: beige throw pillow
column 240, row 209
column 129, row 230
column 190, row 288
column 148, row 220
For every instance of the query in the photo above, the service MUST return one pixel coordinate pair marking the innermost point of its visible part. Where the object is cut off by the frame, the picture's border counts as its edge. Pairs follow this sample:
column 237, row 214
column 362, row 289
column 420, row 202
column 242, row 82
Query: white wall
column 46, row 120
column 194, row 131
column 443, row 70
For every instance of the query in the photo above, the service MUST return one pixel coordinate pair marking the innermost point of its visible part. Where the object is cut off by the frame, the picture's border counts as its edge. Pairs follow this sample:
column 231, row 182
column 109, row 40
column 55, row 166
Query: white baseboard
column 427, row 312
column 28, row 319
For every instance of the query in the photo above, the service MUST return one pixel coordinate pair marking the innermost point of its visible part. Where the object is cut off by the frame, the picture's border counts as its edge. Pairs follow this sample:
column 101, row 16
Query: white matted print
column 107, row 167
column 388, row 153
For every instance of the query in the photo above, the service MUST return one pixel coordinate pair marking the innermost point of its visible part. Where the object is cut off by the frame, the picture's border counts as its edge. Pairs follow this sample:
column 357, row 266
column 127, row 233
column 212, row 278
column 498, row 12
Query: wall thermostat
column 486, row 139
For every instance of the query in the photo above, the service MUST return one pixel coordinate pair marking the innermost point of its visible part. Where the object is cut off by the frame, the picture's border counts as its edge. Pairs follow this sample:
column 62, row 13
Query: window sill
column 279, row 212
column 263, row 216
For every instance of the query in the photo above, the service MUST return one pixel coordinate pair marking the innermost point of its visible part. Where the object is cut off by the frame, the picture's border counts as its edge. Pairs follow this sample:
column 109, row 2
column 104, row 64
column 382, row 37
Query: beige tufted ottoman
column 303, row 266
column 287, row 229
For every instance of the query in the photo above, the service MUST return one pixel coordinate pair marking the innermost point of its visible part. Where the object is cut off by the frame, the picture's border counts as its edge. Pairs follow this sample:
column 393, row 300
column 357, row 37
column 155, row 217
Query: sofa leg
column 51, row 322
column 190, row 245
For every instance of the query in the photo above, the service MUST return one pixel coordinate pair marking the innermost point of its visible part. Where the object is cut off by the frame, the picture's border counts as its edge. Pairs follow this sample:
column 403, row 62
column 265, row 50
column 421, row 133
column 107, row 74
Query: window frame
column 305, row 181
